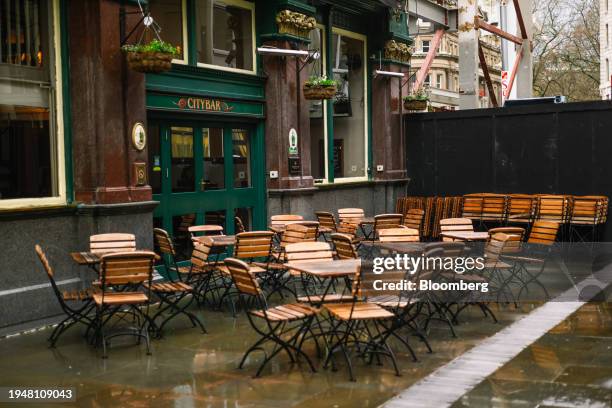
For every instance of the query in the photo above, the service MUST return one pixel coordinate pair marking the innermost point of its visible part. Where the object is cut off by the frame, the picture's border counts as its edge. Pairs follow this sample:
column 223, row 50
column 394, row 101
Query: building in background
column 605, row 25
column 443, row 77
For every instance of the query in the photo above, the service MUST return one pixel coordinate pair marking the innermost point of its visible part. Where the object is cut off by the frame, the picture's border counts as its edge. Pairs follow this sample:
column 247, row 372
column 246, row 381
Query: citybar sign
column 204, row 104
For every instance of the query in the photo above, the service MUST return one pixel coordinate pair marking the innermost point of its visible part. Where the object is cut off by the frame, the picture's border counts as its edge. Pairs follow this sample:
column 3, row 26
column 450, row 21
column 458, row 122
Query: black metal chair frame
column 273, row 332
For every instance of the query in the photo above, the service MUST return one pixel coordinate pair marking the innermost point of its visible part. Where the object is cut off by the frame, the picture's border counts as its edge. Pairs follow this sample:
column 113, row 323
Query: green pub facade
column 89, row 146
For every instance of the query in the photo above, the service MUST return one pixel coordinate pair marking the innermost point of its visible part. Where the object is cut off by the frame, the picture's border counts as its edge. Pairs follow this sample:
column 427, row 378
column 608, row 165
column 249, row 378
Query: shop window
column 155, row 165
column 214, row 162
column 241, row 153
column 317, row 109
column 183, row 169
column 350, row 105
column 30, row 154
column 169, row 14
column 224, row 34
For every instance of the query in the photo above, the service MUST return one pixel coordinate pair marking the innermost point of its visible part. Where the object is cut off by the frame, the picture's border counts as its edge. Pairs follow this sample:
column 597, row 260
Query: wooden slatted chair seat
column 403, row 234
column 351, row 215
column 120, row 298
column 113, row 242
column 285, row 313
column 494, row 250
column 543, row 232
column 516, row 236
column 455, row 225
column 360, row 311
column 170, row 287
column 79, row 294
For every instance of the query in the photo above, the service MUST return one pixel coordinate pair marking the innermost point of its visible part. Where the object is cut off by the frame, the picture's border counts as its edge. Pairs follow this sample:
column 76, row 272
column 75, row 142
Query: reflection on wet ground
column 570, row 366
column 190, row 369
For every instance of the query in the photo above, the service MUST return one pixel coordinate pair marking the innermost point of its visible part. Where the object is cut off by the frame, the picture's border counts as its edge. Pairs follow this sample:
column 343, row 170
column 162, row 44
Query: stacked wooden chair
column 455, row 225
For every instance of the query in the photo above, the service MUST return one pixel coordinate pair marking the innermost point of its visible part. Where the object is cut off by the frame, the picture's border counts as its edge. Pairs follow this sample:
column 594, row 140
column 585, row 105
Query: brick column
column 106, row 100
column 286, row 109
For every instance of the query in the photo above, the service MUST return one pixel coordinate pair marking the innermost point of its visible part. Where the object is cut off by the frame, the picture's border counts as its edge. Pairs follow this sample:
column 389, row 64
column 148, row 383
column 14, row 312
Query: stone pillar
column 468, row 55
column 106, row 100
column 524, row 75
column 387, row 129
column 286, row 109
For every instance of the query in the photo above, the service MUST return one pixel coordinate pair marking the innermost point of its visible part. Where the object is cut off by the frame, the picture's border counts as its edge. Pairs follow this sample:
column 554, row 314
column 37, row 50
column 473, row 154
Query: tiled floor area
column 188, row 369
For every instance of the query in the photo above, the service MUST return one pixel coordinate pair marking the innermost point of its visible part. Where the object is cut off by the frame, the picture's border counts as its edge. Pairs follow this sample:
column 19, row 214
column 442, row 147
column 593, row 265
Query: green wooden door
column 206, row 173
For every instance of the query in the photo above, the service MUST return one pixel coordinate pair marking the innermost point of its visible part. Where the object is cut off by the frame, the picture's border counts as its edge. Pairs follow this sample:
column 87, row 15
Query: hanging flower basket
column 315, row 92
column 154, row 57
column 415, row 104
column 294, row 23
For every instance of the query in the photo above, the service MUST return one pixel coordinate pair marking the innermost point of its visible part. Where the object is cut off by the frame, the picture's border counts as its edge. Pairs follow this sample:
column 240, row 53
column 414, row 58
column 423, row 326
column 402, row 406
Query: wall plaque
column 140, row 173
column 295, row 167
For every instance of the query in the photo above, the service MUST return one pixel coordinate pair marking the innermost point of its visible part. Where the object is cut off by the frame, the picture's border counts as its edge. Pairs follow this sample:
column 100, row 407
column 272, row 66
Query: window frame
column 325, row 158
column 423, row 46
column 366, row 90
column 56, row 119
column 245, row 5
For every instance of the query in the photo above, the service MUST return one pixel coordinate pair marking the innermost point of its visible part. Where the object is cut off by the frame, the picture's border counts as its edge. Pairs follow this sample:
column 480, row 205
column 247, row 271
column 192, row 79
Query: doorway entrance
column 206, row 173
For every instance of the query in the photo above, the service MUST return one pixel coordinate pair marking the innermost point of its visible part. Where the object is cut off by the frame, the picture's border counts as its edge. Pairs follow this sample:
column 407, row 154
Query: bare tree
column 566, row 49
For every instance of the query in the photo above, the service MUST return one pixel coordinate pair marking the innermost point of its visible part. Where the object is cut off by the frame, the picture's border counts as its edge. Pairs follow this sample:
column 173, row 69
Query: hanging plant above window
column 153, row 57
column 317, row 88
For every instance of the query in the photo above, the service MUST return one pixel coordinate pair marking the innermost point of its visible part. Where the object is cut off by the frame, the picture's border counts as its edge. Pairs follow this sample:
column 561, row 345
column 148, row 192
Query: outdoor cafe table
column 218, row 240
column 466, row 235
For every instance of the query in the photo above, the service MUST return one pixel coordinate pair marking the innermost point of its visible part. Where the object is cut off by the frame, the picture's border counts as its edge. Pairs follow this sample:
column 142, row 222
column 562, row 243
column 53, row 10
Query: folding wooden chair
column 541, row 239
column 165, row 246
column 108, row 243
column 359, row 325
column 239, row 225
column 327, row 222
column 284, row 326
column 413, row 218
column 521, row 209
column 516, row 236
column 284, row 219
column 344, row 246
column 585, row 218
column 133, row 273
column 68, row 301
column 472, row 207
column 553, row 208
column 455, row 225
column 351, row 215
column 493, row 209
column 385, row 221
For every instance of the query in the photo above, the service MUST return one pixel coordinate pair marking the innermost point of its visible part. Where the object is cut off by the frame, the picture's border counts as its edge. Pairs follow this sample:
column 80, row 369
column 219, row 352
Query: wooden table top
column 206, row 228
column 399, row 247
column 466, row 235
column 85, row 258
column 327, row 269
column 219, row 240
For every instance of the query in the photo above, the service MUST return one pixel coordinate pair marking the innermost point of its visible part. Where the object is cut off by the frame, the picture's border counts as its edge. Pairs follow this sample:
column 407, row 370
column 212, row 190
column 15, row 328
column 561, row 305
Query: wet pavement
column 570, row 366
column 190, row 369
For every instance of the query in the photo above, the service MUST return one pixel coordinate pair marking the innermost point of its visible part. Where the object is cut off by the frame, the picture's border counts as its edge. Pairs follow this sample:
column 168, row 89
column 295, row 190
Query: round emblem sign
column 139, row 136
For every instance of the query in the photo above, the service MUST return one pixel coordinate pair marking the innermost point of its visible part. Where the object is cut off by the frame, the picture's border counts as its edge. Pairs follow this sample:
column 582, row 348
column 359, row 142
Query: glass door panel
column 241, row 152
column 183, row 165
column 214, row 161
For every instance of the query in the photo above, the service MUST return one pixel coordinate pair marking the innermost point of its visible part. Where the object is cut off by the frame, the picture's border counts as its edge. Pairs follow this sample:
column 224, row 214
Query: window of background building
column 317, row 110
column 169, row 15
column 427, row 81
column 350, row 105
column 224, row 34
column 439, row 81
column 31, row 164
column 425, row 46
